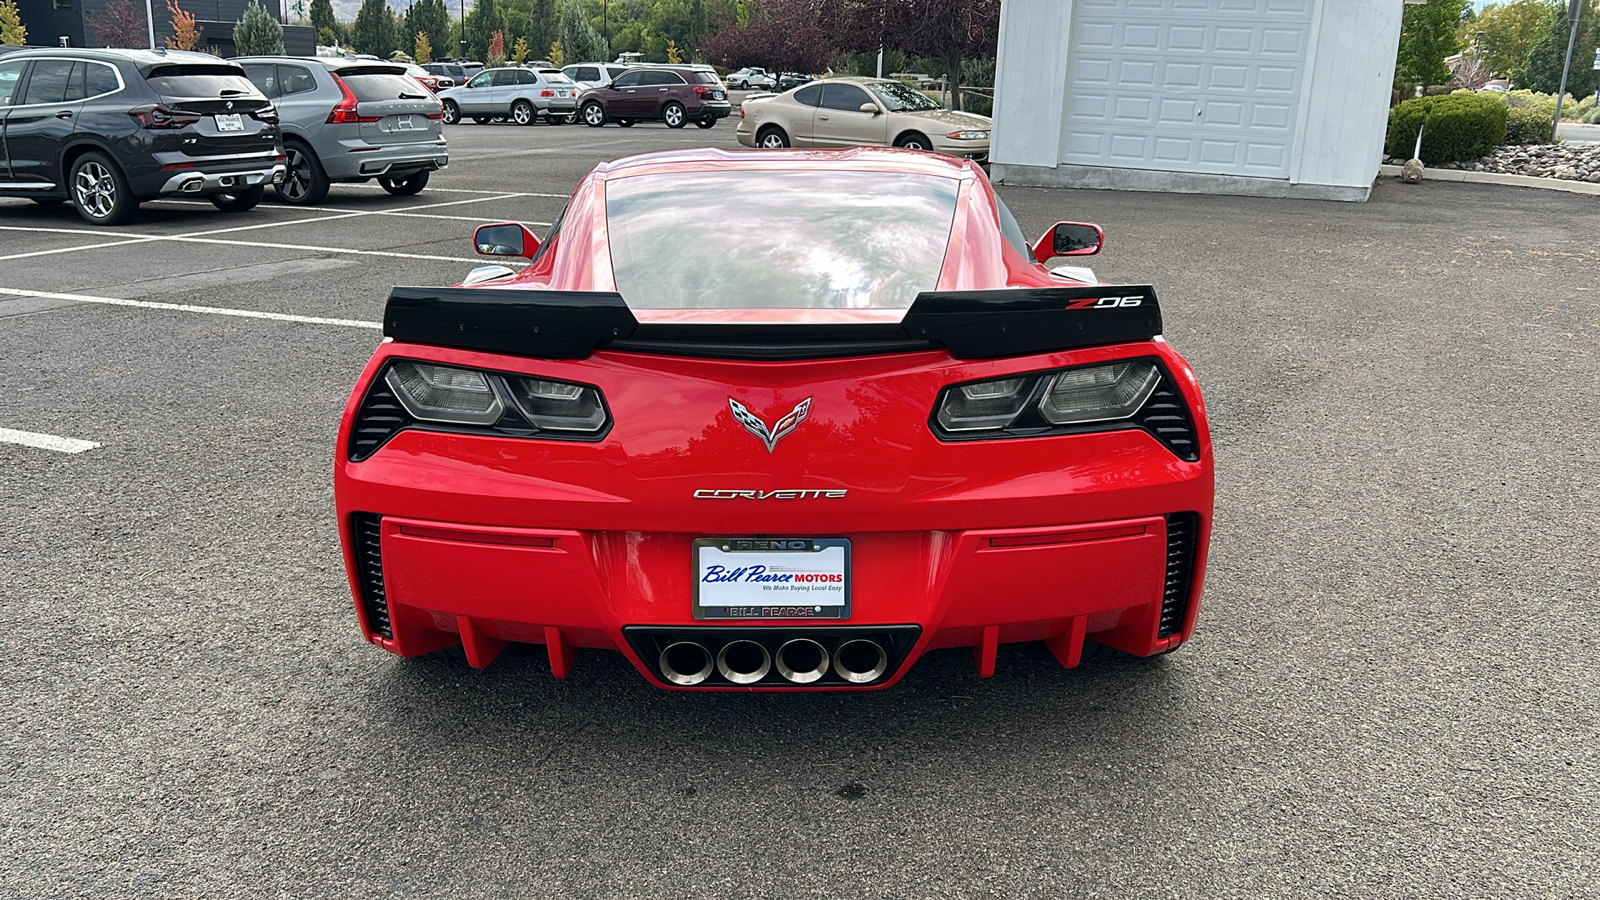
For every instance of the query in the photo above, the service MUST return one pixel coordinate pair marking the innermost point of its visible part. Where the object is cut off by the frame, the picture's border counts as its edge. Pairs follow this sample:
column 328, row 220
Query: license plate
column 716, row 95
column 771, row 578
column 230, row 122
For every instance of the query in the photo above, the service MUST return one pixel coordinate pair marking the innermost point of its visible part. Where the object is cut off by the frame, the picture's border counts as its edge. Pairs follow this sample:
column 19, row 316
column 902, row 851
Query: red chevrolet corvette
column 776, row 420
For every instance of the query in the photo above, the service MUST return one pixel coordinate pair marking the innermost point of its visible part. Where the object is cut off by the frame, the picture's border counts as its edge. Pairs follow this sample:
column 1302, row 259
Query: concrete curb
column 1545, row 184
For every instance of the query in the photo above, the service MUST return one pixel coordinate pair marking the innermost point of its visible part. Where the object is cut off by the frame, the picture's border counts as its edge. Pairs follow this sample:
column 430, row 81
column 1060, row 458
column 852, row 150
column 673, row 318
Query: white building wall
column 1340, row 111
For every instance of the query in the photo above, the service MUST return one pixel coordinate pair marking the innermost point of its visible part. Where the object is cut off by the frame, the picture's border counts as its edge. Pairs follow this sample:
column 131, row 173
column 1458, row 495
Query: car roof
column 145, row 59
column 714, row 159
column 331, row 63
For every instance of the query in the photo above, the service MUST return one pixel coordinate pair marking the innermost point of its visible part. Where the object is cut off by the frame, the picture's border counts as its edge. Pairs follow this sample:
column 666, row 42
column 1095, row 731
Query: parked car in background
column 434, row 83
column 853, row 112
column 676, row 95
column 588, row 75
column 749, row 77
column 350, row 120
column 789, row 80
column 457, row 72
column 108, row 129
column 511, row 92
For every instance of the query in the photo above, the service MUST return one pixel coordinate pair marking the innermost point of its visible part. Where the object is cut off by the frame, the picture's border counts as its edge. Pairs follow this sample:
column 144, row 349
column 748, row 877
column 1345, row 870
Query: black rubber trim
column 649, row 640
column 1183, row 538
column 365, row 534
column 968, row 324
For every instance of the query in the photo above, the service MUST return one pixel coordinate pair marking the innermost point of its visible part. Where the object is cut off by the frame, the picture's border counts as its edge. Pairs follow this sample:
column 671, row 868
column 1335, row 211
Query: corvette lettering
column 1105, row 302
column 708, row 494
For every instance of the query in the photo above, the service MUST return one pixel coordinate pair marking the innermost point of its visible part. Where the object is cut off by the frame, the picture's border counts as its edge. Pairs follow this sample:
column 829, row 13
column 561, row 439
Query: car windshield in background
column 385, row 84
column 807, row 240
column 702, row 78
column 200, row 81
column 898, row 96
column 556, row 78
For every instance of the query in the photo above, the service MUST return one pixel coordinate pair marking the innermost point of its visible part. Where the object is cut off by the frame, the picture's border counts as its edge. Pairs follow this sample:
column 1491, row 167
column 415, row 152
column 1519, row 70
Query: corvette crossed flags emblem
column 770, row 436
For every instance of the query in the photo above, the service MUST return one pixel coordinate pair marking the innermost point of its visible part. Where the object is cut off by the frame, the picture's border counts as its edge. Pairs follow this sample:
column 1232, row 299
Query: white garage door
column 1186, row 85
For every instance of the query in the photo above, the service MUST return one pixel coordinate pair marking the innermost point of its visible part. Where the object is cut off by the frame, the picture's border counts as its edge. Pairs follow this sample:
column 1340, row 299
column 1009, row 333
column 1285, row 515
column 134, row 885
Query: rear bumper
column 192, row 181
column 360, row 159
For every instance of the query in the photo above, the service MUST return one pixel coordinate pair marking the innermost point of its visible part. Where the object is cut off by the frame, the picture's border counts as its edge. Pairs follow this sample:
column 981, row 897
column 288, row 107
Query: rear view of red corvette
column 875, row 425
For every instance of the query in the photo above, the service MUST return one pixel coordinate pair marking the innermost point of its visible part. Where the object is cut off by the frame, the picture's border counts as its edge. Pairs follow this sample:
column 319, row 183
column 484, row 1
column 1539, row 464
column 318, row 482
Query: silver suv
column 514, row 93
column 350, row 120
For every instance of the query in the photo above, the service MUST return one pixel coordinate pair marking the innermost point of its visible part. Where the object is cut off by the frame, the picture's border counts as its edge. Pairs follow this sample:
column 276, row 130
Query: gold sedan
column 854, row 112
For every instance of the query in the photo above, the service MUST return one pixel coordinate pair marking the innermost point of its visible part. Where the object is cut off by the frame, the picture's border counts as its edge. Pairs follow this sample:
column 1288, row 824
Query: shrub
column 1526, row 126
column 1459, row 127
column 1594, row 118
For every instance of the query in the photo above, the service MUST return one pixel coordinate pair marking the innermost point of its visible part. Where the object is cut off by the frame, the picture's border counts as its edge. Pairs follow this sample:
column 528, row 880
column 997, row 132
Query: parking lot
column 1391, row 691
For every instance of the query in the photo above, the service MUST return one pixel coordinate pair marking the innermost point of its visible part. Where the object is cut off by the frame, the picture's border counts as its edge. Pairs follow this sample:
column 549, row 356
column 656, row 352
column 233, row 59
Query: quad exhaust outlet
column 722, row 657
column 802, row 661
column 744, row 662
column 686, row 663
column 860, row 661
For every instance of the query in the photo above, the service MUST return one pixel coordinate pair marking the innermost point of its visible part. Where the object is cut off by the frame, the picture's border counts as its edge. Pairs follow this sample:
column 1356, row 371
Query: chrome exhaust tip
column 802, row 660
column 860, row 661
column 744, row 662
column 685, row 663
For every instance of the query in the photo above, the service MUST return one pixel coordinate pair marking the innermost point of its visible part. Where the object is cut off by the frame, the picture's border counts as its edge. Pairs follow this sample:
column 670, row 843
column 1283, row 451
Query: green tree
column 579, row 41
column 1542, row 71
column 1503, row 33
column 422, row 48
column 375, row 30
column 530, row 20
column 431, row 17
column 12, row 31
column 322, row 17
column 1427, row 36
column 482, row 22
column 258, row 33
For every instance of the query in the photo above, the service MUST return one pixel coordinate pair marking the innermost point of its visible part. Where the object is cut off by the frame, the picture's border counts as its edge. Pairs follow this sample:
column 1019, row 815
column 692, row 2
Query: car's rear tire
column 481, row 120
column 239, row 201
column 706, row 122
column 571, row 118
column 100, row 191
column 911, row 140
column 673, row 114
column 452, row 113
column 594, row 115
column 522, row 112
column 744, row 85
column 405, row 185
column 306, row 184
column 772, row 138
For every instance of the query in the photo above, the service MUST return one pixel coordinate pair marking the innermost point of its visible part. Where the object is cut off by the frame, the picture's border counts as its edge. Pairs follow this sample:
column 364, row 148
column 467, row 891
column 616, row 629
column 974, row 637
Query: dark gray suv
column 107, row 129
column 348, row 120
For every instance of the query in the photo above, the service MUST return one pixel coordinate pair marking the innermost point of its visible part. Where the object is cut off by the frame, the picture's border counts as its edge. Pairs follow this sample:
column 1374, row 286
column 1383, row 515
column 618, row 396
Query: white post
column 880, row 61
column 150, row 22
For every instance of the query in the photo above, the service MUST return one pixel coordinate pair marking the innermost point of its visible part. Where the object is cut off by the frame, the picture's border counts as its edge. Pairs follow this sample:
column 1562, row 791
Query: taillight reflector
column 547, row 93
column 159, row 117
column 345, row 113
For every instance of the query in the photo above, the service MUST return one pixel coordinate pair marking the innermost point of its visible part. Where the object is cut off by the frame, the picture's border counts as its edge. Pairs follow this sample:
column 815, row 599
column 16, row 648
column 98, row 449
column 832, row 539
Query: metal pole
column 150, row 22
column 880, row 60
column 463, row 29
column 1574, row 10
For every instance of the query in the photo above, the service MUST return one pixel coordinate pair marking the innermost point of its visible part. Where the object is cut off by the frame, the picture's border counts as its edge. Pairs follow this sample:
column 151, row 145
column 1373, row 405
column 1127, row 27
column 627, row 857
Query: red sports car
column 876, row 425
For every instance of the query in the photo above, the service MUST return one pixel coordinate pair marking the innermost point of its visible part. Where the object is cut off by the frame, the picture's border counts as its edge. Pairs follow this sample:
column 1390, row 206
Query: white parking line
column 186, row 307
column 45, row 441
column 183, row 239
column 74, row 249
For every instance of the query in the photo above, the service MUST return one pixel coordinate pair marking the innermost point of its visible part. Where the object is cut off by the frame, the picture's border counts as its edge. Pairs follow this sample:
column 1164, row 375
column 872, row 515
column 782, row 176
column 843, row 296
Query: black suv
column 107, row 129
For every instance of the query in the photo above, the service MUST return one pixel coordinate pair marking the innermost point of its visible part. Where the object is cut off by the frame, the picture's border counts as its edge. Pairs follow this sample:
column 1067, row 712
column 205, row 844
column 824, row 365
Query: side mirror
column 508, row 239
column 1069, row 239
column 871, row 108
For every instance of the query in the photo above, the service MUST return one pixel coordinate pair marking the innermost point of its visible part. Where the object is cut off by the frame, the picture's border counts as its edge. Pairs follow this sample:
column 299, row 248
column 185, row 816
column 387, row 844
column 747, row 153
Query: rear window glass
column 383, row 86
column 703, row 78
column 201, row 81
column 807, row 240
column 556, row 78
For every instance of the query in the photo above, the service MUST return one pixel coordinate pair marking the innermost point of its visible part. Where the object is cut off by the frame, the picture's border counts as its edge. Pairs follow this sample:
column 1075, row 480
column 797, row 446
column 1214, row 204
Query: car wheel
column 772, row 138
column 571, row 118
column 744, row 85
column 238, row 201
column 522, row 112
column 594, row 115
column 674, row 116
column 407, row 185
column 100, row 192
column 480, row 120
column 306, row 184
column 913, row 141
column 625, row 123
column 707, row 122
column 452, row 113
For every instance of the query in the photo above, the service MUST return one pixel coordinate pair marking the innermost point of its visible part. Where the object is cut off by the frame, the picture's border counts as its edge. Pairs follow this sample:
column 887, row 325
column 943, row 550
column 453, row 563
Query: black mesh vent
column 378, row 419
column 1183, row 533
column 1165, row 416
column 365, row 530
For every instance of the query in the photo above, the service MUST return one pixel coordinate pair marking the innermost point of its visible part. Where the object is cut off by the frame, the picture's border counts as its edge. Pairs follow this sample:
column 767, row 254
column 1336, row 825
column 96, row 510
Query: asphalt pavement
column 1392, row 691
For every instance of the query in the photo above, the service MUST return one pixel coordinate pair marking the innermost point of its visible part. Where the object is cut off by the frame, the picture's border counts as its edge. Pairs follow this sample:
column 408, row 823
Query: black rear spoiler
column 969, row 324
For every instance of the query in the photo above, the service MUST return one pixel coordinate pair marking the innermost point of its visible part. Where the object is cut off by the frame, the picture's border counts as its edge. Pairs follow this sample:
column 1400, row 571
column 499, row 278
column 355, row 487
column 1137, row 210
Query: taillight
column 159, row 117
column 345, row 113
column 268, row 114
column 436, row 115
column 547, row 93
column 701, row 89
column 741, row 112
